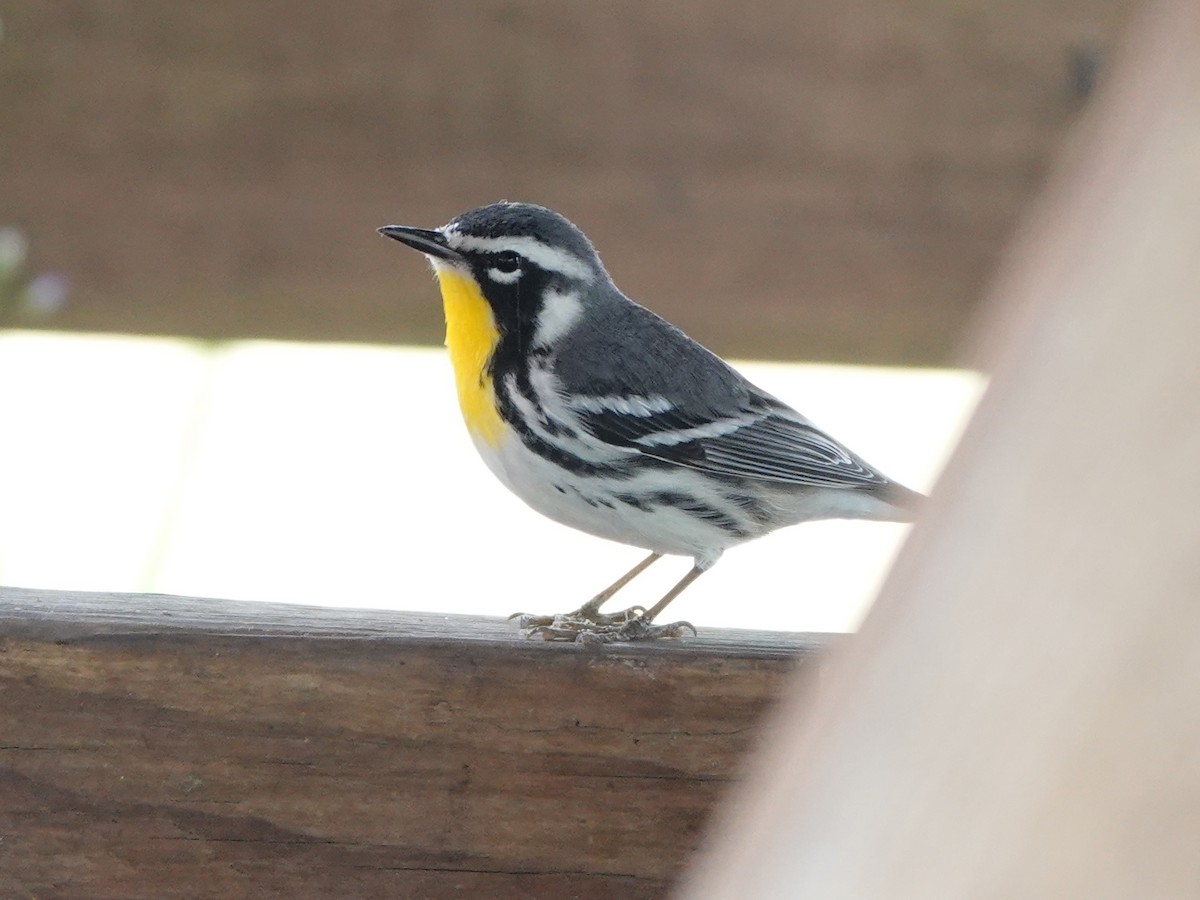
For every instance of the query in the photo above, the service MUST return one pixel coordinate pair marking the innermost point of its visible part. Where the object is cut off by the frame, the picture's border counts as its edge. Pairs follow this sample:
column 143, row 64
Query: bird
column 603, row 416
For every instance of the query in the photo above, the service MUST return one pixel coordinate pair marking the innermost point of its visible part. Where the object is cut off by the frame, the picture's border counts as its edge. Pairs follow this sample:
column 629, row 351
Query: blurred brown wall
column 793, row 180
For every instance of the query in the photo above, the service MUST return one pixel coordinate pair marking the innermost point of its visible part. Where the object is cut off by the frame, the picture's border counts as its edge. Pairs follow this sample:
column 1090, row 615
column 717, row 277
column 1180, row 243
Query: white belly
column 591, row 504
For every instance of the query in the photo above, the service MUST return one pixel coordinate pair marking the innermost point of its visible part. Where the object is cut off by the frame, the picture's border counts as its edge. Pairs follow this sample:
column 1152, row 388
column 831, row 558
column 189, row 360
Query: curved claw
column 677, row 630
column 641, row 630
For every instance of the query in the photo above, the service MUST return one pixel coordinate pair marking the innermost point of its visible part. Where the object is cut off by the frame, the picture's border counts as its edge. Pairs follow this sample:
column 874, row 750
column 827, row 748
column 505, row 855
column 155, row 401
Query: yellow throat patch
column 471, row 338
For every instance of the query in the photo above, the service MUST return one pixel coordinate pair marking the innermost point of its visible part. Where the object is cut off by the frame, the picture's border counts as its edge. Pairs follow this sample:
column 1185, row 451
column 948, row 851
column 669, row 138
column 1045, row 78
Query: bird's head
column 533, row 268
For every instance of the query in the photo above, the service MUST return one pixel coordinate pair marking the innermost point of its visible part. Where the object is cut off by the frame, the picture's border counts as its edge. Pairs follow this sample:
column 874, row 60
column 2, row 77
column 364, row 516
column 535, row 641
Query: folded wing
column 762, row 439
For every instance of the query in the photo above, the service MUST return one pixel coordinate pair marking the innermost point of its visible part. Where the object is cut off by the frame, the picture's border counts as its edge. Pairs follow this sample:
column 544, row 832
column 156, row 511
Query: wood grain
column 811, row 181
column 165, row 746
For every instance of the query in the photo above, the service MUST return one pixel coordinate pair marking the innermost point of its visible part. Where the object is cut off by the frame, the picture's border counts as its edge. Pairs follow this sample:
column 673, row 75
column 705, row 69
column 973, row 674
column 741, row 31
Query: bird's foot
column 584, row 616
column 587, row 627
column 637, row 630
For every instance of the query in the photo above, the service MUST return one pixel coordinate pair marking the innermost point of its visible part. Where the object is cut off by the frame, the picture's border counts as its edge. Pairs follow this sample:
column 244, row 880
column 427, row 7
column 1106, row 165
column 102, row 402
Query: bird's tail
column 906, row 501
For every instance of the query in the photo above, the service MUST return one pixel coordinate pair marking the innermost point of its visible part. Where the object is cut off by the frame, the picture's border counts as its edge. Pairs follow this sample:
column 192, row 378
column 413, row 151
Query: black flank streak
column 751, row 507
column 635, row 501
column 695, row 507
column 552, row 453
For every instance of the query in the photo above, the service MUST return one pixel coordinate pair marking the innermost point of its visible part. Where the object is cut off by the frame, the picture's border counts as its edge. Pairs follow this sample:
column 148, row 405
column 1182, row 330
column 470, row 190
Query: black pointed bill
column 431, row 243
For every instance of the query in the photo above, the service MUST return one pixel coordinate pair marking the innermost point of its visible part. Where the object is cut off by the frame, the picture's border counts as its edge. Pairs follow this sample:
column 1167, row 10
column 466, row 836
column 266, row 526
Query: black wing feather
column 739, row 430
column 772, row 444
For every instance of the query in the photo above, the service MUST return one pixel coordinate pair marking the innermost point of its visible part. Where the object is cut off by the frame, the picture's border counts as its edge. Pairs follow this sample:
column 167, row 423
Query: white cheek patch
column 558, row 315
column 504, row 277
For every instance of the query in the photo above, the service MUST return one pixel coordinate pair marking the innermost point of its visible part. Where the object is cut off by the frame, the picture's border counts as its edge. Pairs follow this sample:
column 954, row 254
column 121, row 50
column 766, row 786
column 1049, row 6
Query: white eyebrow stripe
column 550, row 258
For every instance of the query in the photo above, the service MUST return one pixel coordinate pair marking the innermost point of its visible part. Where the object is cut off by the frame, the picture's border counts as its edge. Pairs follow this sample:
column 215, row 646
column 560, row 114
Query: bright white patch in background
column 343, row 475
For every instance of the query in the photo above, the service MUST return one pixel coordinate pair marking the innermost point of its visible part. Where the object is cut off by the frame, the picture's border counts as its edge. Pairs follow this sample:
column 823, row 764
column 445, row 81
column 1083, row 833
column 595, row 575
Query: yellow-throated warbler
column 605, row 417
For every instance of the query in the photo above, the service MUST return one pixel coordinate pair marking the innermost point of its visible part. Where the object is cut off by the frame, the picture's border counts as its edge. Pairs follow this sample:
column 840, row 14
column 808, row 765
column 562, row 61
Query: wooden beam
column 886, row 147
column 167, row 746
column 1019, row 716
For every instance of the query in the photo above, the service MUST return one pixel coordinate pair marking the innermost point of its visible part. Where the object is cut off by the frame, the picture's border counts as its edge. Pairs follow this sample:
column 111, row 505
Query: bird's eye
column 508, row 262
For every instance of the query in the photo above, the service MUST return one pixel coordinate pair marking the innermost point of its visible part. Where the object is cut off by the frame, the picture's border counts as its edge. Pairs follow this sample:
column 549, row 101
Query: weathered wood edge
column 50, row 615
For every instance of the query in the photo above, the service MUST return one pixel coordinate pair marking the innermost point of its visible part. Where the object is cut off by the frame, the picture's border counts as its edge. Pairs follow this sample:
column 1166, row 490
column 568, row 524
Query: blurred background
column 828, row 185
